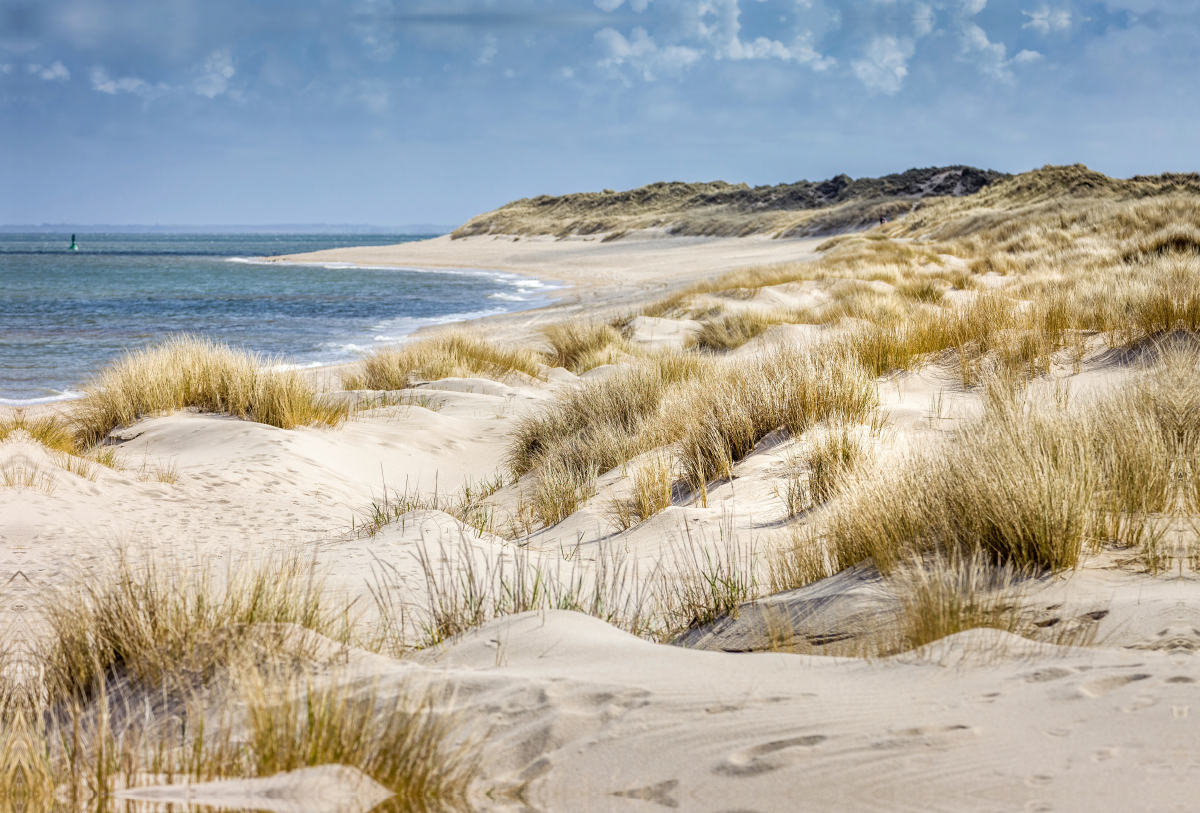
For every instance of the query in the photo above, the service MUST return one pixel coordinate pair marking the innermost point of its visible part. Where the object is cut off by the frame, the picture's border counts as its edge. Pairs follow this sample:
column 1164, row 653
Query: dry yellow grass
column 581, row 346
column 152, row 619
column 22, row 474
column 940, row 597
column 601, row 424
column 719, row 418
column 57, row 435
column 192, row 372
column 228, row 680
column 653, row 480
column 732, row 330
column 449, row 353
column 1019, row 485
column 401, row 740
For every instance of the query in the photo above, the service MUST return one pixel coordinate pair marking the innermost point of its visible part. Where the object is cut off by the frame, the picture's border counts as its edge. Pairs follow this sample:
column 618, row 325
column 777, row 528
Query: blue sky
column 393, row 112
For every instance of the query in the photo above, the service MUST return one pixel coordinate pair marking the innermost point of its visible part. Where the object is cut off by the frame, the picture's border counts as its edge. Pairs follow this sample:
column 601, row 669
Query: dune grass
column 560, row 489
column 50, row 430
column 465, row 590
column 400, row 739
column 192, row 372
column 711, row 579
column 653, row 480
column 801, row 559
column 56, row 434
column 1019, row 485
column 601, row 424
column 737, row 405
column 22, row 474
column 580, row 346
column 732, row 330
column 819, row 467
column 135, row 676
column 940, row 597
column 451, row 353
column 467, row 505
column 150, row 619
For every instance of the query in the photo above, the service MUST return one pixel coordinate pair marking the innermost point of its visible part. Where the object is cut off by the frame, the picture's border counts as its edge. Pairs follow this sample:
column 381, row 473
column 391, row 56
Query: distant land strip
column 271, row 228
column 804, row 208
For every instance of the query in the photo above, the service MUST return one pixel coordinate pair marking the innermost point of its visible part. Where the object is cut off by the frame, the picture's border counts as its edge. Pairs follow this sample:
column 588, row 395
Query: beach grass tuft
column 151, row 618
column 186, row 371
column 580, row 346
column 449, row 353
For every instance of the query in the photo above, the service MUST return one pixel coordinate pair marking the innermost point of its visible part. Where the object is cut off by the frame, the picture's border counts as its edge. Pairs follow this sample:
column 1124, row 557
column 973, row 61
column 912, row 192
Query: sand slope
column 580, row 716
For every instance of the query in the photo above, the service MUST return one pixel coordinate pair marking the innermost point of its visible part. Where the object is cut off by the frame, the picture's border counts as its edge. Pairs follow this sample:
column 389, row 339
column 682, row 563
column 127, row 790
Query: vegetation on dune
column 1006, row 290
column 148, row 622
column 448, row 353
column 135, row 678
column 192, row 372
column 732, row 330
column 722, row 209
column 581, row 346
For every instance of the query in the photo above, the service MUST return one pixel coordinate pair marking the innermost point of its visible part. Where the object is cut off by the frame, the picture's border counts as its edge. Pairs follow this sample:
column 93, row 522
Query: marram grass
column 186, row 371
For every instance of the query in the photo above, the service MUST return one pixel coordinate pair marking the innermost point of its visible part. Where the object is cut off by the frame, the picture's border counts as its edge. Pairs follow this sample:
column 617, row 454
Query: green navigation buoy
column 73, row 246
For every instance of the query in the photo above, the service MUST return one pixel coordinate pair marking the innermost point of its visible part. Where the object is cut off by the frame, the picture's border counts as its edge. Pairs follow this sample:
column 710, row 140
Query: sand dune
column 578, row 715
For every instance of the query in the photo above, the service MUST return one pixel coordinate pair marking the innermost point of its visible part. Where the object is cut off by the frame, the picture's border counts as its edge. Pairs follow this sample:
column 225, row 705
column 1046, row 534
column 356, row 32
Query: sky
column 430, row 111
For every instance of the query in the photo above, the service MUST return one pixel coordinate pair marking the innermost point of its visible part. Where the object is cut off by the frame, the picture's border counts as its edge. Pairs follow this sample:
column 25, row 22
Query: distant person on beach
column 882, row 220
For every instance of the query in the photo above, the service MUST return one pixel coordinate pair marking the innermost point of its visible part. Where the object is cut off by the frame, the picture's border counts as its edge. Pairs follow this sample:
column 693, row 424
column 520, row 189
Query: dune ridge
column 905, row 518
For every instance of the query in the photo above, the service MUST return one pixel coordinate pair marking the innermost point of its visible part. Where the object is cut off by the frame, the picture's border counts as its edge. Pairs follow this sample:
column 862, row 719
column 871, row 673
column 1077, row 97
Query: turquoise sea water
column 64, row 313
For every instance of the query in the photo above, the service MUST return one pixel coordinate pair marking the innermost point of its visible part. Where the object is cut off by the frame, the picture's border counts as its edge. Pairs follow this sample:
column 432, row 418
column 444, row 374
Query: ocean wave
column 347, row 348
column 67, row 395
column 508, row 298
column 506, row 277
column 287, row 368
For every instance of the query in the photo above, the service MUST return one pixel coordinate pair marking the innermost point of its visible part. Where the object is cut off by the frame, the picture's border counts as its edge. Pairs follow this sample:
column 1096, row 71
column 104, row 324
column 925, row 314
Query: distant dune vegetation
column 806, row 208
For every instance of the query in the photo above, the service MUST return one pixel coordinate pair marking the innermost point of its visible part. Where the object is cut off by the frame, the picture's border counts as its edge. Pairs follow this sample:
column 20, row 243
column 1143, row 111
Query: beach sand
column 599, row 279
column 580, row 716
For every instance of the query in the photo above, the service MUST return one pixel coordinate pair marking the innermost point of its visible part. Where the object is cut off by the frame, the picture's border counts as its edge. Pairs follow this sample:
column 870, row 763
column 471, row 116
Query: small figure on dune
column 882, row 220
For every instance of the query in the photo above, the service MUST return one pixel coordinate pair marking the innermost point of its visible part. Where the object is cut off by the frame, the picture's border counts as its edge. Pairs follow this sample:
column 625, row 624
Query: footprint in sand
column 1046, row 675
column 760, row 759
column 659, row 794
column 1096, row 688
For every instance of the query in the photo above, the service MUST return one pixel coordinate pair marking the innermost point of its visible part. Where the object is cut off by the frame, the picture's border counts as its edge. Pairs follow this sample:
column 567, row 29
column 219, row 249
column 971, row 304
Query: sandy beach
column 600, row 278
column 1081, row 703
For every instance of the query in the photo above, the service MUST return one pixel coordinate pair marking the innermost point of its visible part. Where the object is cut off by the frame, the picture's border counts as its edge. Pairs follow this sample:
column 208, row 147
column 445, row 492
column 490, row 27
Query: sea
column 64, row 314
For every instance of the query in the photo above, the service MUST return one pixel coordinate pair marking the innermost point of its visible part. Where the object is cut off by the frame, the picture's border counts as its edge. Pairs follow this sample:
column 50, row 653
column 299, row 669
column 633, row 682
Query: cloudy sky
column 405, row 111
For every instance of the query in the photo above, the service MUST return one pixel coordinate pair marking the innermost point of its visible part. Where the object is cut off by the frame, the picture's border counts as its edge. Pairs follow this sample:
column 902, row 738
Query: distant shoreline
column 414, row 230
column 601, row 279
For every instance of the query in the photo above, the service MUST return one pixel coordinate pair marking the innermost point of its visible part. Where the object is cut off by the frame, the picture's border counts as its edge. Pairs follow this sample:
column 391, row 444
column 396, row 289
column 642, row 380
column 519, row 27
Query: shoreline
column 600, row 278
column 584, row 277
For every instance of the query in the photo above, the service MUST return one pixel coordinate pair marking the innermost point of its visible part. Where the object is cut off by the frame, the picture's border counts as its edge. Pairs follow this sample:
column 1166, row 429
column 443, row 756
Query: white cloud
column 612, row 5
column 215, row 75
column 1027, row 57
column 973, row 7
column 724, row 32
column 102, row 82
column 374, row 96
column 922, row 19
column 6, row 68
column 491, row 47
column 885, row 64
column 988, row 55
column 642, row 53
column 57, row 72
column 1046, row 20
